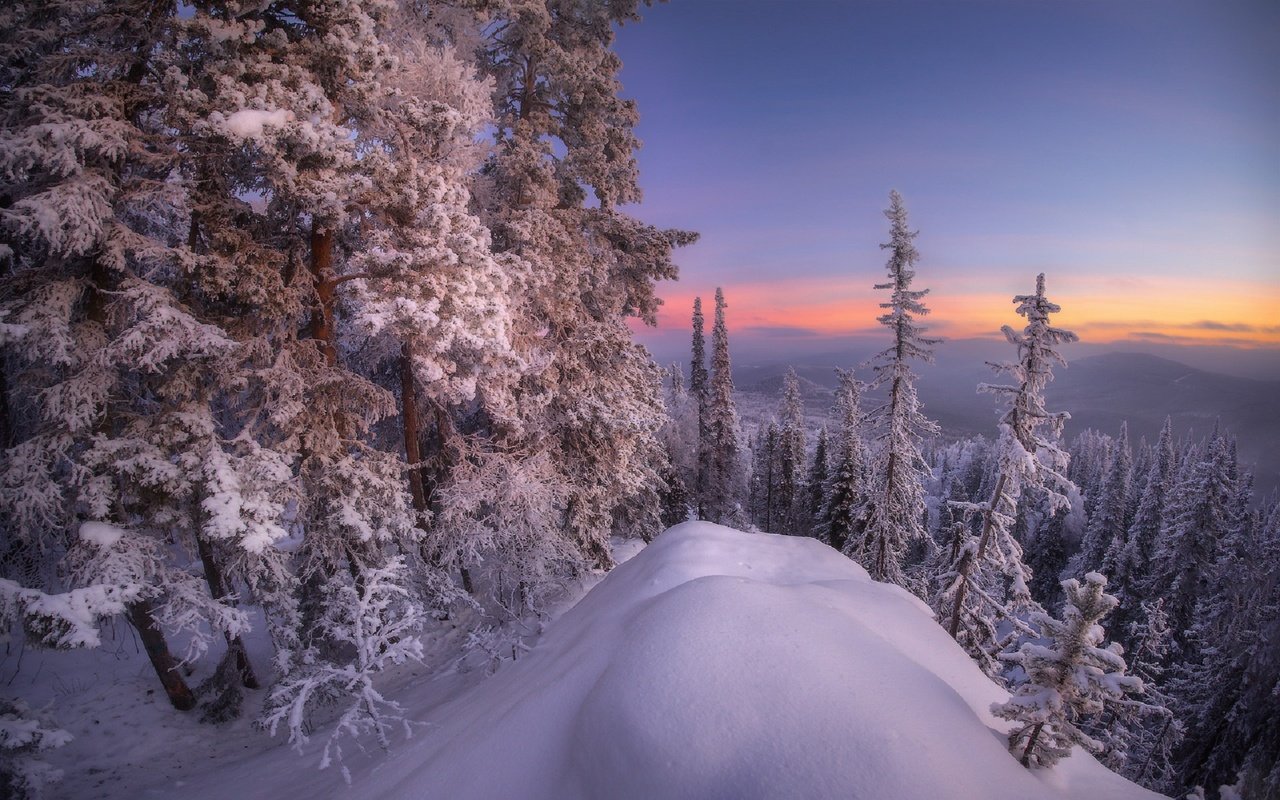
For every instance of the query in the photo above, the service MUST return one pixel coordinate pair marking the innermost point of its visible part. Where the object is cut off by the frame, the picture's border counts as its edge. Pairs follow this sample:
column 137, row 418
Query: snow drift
column 722, row 664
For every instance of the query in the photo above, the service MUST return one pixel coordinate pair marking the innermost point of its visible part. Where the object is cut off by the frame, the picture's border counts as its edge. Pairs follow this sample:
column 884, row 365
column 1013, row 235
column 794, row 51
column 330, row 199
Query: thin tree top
column 904, row 303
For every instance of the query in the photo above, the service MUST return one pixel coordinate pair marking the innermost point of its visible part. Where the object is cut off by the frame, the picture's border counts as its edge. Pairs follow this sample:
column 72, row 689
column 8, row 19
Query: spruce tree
column 699, row 388
column 1071, row 677
column 1105, row 535
column 991, row 571
column 816, row 482
column 587, row 411
column 896, row 506
column 791, row 455
column 726, row 461
column 842, row 520
column 1135, row 561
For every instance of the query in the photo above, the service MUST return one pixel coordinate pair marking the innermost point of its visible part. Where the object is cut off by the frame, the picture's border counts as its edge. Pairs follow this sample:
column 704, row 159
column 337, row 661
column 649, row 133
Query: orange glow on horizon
column 1176, row 310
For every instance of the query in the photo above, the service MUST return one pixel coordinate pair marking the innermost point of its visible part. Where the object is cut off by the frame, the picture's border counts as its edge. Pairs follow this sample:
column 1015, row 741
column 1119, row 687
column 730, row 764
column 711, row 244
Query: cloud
column 1231, row 327
column 783, row 331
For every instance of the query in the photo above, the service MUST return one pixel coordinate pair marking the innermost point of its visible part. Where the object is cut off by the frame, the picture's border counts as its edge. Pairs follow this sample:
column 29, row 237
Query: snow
column 101, row 534
column 722, row 664
column 712, row 664
column 248, row 123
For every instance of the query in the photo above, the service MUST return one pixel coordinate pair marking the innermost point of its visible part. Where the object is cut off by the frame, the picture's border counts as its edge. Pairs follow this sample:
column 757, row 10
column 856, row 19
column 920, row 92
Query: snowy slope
column 713, row 664
column 722, row 664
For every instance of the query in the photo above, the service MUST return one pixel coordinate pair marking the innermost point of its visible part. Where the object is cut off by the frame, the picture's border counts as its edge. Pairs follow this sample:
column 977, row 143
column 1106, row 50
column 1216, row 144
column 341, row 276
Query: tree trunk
column 142, row 613
column 321, row 327
column 966, row 568
column 1031, row 743
column 412, row 432
column 217, row 589
column 142, row 617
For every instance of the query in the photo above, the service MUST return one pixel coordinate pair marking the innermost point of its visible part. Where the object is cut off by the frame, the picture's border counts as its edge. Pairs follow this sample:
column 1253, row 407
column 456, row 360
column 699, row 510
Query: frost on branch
column 368, row 627
column 23, row 734
column 1071, row 676
column 118, row 566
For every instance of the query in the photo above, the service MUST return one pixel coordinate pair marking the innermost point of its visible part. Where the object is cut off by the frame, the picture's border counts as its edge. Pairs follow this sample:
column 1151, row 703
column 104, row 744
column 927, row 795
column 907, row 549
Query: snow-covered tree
column 726, row 463
column 1197, row 519
column 896, row 502
column 588, row 405
column 1070, row 677
column 842, row 520
column 115, row 353
column 1157, row 485
column 816, row 481
column 1226, row 682
column 989, row 578
column 763, row 502
column 377, row 623
column 25, row 733
column 791, row 457
column 1141, row 737
column 1105, row 534
column 700, row 390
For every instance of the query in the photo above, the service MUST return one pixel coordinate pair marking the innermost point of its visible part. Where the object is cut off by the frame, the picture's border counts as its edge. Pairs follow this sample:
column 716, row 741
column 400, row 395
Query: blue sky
column 1131, row 150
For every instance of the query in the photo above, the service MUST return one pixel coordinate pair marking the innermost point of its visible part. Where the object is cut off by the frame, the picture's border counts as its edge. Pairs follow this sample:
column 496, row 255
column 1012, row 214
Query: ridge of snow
column 723, row 664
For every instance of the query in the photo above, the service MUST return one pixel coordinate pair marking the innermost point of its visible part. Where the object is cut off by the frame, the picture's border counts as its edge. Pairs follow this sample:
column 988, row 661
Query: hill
column 722, row 664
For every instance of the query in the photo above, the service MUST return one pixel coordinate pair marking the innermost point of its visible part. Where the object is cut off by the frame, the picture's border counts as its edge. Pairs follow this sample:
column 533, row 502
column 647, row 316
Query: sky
column 1129, row 150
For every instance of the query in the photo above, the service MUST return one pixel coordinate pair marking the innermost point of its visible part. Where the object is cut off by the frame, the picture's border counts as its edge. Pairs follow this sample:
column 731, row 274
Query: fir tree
column 842, row 520
column 896, row 496
column 726, row 465
column 1105, row 535
column 1135, row 562
column 1143, row 736
column 816, row 483
column 1199, row 516
column 1070, row 678
column 699, row 388
column 791, row 453
column 1024, row 457
column 764, row 476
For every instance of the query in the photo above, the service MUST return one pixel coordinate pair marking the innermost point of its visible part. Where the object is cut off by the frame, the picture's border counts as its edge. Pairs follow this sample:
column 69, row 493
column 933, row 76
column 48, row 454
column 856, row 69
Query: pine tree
column 1105, row 536
column 1024, row 458
column 1072, row 677
column 699, row 388
column 816, row 482
column 764, row 477
column 1198, row 517
column 588, row 408
column 898, row 472
column 726, row 462
column 791, row 453
column 109, row 351
column 318, row 109
column 1135, row 561
column 842, row 520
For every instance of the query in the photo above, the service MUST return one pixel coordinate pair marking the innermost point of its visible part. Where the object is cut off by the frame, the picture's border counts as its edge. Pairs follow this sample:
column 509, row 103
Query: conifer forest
column 334, row 461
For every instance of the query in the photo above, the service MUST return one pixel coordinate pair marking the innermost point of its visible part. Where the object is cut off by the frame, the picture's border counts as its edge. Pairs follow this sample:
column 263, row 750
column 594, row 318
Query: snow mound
column 719, row 664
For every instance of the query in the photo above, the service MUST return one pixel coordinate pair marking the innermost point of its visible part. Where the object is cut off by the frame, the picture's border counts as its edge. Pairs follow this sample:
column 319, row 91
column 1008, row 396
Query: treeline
column 319, row 306
column 994, row 533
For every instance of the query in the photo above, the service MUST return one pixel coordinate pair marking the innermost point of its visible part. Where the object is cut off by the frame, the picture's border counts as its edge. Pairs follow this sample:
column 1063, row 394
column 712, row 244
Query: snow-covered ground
column 714, row 664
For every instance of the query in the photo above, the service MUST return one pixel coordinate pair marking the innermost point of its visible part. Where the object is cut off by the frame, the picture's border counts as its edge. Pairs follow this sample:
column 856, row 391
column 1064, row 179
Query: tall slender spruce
column 726, row 480
column 1027, row 456
column 896, row 503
